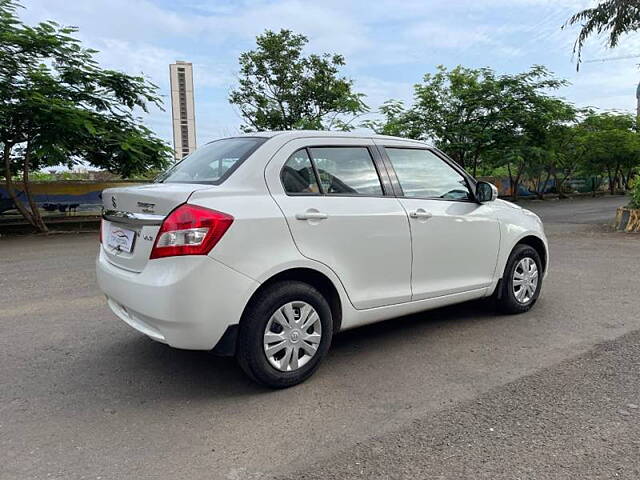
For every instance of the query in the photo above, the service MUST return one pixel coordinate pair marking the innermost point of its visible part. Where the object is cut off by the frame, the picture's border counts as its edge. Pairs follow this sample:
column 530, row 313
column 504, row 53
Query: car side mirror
column 486, row 192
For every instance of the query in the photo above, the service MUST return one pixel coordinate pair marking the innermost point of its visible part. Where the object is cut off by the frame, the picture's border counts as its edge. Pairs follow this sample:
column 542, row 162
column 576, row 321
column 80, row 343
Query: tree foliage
column 612, row 17
column 613, row 147
column 513, row 124
column 481, row 118
column 566, row 150
column 59, row 107
column 281, row 89
column 635, row 195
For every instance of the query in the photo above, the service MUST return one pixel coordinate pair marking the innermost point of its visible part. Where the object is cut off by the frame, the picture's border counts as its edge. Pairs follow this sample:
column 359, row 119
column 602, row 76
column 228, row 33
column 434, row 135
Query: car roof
column 293, row 134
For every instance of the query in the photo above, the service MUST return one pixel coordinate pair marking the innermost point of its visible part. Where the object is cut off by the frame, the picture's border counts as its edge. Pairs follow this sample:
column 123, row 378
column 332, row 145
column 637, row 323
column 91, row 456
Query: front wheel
column 521, row 281
column 284, row 334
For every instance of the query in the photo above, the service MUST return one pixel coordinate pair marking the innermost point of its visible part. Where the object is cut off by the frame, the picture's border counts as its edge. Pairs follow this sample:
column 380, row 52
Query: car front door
column 455, row 240
column 337, row 201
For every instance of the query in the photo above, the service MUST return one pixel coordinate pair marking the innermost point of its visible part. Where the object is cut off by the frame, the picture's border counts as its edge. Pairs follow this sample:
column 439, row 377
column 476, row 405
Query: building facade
column 182, row 108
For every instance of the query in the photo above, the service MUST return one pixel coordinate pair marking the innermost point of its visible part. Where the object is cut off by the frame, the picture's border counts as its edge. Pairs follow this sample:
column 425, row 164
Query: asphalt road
column 578, row 419
column 84, row 396
column 578, row 210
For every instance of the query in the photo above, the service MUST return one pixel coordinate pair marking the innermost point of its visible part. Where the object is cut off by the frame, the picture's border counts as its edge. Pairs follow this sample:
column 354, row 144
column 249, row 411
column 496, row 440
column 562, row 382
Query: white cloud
column 378, row 91
column 135, row 20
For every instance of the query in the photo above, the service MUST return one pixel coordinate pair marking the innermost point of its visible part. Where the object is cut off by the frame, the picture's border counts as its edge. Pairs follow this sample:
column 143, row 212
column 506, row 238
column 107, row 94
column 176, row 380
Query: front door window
column 422, row 174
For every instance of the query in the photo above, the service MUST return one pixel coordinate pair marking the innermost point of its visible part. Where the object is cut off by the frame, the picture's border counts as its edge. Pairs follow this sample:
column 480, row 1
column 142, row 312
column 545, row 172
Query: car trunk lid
column 132, row 217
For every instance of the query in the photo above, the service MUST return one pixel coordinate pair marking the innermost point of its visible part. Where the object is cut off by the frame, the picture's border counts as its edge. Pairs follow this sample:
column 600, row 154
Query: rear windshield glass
column 213, row 162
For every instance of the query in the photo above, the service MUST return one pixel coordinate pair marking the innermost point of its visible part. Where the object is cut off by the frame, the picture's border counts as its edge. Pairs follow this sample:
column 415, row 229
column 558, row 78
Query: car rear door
column 455, row 240
column 337, row 200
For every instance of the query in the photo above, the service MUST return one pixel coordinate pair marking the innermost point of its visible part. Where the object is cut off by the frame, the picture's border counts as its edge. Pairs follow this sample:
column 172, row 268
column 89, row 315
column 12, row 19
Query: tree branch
column 35, row 213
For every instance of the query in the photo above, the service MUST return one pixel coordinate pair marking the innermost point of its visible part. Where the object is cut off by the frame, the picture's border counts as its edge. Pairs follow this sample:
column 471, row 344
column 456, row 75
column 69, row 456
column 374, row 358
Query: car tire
column 276, row 318
column 516, row 293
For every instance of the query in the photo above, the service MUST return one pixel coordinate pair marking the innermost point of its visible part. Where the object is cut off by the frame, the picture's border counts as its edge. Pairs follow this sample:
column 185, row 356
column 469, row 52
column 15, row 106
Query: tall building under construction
column 182, row 108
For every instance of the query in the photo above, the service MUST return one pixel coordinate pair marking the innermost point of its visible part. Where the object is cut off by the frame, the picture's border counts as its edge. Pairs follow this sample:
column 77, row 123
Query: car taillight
column 190, row 230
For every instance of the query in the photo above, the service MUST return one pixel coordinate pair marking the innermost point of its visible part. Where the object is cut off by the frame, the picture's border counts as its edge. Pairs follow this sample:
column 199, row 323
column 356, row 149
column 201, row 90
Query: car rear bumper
column 187, row 302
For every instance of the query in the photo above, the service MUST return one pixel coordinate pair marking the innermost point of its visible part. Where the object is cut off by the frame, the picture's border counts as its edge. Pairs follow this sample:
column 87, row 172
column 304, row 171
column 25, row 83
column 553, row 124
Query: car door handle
column 311, row 215
column 420, row 213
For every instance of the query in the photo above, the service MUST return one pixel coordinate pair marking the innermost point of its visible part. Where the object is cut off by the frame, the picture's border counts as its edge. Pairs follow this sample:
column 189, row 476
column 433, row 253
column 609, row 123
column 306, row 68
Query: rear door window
column 346, row 171
column 298, row 176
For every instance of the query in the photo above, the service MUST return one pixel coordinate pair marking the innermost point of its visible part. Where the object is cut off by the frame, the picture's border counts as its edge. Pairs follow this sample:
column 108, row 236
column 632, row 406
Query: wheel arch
column 530, row 239
column 538, row 245
column 312, row 277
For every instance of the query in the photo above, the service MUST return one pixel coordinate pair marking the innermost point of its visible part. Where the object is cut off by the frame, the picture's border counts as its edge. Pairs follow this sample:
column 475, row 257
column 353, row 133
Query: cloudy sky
column 388, row 44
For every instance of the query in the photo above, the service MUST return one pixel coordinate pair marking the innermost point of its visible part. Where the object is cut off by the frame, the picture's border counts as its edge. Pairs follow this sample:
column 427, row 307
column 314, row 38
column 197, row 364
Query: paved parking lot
column 84, row 396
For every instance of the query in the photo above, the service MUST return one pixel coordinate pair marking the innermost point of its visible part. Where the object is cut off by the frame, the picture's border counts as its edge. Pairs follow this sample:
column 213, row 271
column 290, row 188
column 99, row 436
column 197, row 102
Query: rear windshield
column 213, row 162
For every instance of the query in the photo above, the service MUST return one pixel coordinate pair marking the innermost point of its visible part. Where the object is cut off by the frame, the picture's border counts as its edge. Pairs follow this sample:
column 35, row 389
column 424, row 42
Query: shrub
column 635, row 195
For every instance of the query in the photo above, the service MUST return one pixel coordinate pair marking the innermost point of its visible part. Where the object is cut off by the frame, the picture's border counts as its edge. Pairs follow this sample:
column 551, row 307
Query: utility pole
column 638, row 104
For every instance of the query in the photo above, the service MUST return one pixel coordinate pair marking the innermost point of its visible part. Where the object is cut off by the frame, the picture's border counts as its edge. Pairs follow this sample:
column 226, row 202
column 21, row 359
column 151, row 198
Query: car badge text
column 146, row 207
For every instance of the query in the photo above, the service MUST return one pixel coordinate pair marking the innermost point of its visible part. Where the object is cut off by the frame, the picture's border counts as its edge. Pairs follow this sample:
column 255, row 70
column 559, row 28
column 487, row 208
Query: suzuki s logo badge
column 113, row 202
column 294, row 336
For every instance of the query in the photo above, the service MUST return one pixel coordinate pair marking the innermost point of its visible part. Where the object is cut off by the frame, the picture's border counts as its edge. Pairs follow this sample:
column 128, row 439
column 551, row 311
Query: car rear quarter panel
column 258, row 244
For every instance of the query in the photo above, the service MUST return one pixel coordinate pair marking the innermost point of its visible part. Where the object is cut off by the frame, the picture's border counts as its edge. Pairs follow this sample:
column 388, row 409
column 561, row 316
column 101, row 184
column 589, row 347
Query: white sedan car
column 264, row 246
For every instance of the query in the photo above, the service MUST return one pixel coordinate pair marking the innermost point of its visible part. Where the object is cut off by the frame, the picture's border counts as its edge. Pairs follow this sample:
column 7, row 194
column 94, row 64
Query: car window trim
column 396, row 188
column 469, row 180
column 315, row 172
column 383, row 172
column 378, row 165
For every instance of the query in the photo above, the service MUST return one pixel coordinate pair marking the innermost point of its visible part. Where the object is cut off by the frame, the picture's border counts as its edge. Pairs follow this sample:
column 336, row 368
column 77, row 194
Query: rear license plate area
column 121, row 239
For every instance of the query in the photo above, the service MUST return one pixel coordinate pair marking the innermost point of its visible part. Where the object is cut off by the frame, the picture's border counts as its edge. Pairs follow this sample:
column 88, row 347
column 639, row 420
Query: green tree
column 456, row 109
column 612, row 17
column 280, row 89
column 635, row 195
column 527, row 122
column 613, row 148
column 478, row 117
column 567, row 147
column 59, row 107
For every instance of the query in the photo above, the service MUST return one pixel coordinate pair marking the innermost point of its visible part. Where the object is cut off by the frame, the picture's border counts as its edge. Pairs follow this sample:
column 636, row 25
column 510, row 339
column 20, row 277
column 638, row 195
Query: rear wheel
column 521, row 281
column 284, row 334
